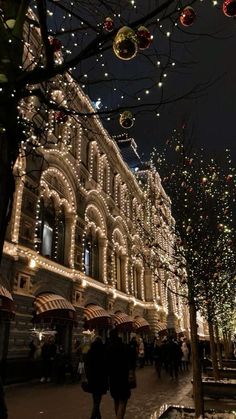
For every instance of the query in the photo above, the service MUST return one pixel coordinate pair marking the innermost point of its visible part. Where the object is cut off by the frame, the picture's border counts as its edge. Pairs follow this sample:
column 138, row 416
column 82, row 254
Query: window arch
column 91, row 254
column 95, row 167
column 137, row 280
column 47, row 224
column 118, row 271
column 118, row 194
column 51, row 231
column 104, row 179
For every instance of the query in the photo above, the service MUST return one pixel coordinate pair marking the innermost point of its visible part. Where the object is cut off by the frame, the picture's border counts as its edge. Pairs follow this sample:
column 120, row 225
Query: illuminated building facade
column 88, row 231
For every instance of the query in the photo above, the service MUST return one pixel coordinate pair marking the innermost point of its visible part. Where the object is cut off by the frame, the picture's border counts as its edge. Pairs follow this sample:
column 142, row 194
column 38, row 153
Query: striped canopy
column 5, row 293
column 161, row 326
column 96, row 315
column 6, row 302
column 49, row 302
column 122, row 321
column 140, row 324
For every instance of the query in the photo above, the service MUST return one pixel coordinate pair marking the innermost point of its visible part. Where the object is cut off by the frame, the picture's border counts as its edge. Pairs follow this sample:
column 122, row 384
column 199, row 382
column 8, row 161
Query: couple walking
column 109, row 366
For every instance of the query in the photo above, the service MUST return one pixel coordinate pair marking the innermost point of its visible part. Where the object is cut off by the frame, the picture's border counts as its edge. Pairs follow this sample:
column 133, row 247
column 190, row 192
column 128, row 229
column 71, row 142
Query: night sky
column 210, row 115
column 203, row 56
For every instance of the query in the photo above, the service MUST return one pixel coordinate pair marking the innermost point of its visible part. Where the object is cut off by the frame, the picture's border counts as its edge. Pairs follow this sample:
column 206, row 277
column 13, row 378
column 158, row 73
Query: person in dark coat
column 174, row 355
column 48, row 354
column 3, row 407
column 120, row 363
column 158, row 356
column 96, row 374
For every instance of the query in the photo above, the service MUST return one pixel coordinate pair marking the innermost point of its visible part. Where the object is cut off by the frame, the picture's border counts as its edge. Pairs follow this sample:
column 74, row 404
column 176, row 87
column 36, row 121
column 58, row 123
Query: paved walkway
column 48, row 401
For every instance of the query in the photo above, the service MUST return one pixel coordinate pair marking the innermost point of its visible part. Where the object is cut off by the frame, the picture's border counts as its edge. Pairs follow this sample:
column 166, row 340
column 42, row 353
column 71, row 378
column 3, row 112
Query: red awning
column 96, row 316
column 123, row 321
column 141, row 325
column 54, row 306
column 6, row 301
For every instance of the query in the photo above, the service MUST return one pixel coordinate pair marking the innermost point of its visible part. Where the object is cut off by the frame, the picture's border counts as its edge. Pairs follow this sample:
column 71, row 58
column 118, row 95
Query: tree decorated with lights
column 202, row 193
column 40, row 40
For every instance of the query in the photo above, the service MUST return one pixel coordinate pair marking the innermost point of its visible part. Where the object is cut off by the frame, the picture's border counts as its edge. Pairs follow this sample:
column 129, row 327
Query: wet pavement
column 68, row 401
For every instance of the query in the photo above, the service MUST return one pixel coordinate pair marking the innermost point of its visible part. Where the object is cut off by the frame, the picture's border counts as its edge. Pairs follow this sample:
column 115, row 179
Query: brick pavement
column 48, row 401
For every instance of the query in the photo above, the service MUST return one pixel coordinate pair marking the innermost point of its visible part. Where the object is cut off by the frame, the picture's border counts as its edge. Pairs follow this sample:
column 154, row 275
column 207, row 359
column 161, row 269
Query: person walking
column 48, row 353
column 174, row 355
column 96, row 374
column 185, row 355
column 157, row 356
column 141, row 353
column 120, row 363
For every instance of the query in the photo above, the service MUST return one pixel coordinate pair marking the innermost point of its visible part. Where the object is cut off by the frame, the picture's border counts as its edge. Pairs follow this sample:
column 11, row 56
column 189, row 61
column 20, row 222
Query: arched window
column 137, row 281
column 51, row 232
column 113, row 186
column 104, row 179
column 47, row 224
column 118, row 271
column 118, row 195
column 91, row 256
column 95, row 167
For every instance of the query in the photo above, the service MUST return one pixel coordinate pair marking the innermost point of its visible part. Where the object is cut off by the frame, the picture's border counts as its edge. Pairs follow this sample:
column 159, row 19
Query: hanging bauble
column 10, row 23
column 187, row 16
column 229, row 178
column 126, row 119
column 125, row 44
column 229, row 8
column 56, row 44
column 108, row 24
column 61, row 116
column 144, row 37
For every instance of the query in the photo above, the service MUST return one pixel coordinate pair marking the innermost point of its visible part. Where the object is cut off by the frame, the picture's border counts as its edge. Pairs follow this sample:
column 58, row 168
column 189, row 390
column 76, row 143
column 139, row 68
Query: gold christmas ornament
column 10, row 23
column 126, row 119
column 125, row 45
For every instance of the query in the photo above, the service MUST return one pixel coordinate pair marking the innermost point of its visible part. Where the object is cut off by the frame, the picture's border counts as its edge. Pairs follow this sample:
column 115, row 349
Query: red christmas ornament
column 229, row 8
column 187, row 16
column 56, row 44
column 144, row 37
column 108, row 24
column 229, row 178
column 61, row 116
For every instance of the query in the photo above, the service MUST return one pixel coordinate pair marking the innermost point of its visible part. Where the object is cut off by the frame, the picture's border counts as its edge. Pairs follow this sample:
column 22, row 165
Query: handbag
column 132, row 379
column 86, row 387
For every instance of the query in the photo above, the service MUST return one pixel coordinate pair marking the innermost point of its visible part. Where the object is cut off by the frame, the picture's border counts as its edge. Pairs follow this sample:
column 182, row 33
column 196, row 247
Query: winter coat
column 185, row 352
column 119, row 363
column 96, row 368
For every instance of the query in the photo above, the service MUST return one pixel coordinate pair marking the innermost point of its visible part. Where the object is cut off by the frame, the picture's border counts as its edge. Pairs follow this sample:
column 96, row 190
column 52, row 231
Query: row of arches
column 108, row 251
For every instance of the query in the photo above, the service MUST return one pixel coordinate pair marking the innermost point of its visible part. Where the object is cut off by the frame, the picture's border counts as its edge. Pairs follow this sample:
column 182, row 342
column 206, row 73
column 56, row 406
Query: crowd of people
column 110, row 365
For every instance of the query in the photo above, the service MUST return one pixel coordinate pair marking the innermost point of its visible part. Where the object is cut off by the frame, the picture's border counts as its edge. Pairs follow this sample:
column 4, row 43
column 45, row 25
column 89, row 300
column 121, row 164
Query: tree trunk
column 197, row 376
column 213, row 350
column 218, row 344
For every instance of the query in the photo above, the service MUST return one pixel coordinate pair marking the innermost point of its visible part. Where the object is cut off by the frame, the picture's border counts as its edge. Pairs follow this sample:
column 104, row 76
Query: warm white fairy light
column 130, row 200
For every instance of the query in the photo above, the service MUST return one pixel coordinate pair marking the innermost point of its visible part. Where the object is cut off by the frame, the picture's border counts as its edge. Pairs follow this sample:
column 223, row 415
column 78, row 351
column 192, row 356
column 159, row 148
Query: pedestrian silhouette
column 120, row 363
column 96, row 374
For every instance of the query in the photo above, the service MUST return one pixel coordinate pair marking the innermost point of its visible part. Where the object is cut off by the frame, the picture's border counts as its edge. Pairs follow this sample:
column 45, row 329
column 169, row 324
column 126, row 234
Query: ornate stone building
column 91, row 237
